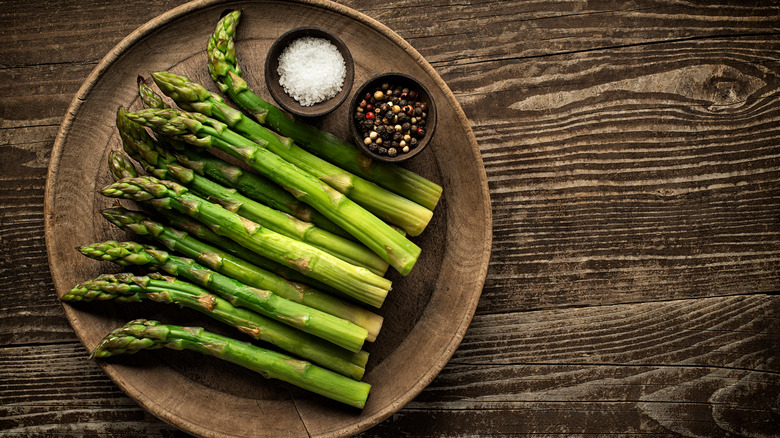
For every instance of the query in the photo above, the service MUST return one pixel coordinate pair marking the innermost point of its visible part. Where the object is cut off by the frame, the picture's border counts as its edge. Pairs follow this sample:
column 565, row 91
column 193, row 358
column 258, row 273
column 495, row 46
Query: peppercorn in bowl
column 392, row 117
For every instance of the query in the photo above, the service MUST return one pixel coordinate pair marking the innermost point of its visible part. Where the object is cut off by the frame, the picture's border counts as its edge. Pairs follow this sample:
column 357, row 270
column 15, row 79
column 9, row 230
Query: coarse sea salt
column 311, row 70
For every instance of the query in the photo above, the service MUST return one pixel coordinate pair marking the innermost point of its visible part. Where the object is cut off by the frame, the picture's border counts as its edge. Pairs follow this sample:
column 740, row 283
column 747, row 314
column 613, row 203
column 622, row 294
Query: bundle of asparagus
column 286, row 247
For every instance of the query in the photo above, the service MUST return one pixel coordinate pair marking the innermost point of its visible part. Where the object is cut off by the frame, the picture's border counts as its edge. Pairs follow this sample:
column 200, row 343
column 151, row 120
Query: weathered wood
column 690, row 367
column 632, row 155
column 429, row 309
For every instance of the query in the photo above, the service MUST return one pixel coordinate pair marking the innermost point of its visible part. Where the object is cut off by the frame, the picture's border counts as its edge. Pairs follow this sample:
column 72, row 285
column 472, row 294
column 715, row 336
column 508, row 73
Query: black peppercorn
column 391, row 119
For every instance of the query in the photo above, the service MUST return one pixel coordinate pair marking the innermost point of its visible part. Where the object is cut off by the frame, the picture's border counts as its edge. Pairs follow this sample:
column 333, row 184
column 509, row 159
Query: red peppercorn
column 409, row 110
column 363, row 103
column 369, row 107
column 420, row 131
column 412, row 94
column 370, row 116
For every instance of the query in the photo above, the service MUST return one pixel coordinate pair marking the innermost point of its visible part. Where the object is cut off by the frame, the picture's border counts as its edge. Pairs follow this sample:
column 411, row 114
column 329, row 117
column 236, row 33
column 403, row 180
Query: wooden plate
column 427, row 312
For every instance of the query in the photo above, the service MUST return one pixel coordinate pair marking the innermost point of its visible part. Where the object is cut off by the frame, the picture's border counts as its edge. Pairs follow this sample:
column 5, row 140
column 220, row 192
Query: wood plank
column 54, row 390
column 607, row 128
column 634, row 189
column 576, row 191
column 691, row 367
column 100, row 26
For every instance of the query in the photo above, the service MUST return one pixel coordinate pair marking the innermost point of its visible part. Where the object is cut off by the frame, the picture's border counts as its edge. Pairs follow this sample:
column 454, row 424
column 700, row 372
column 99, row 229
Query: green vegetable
column 355, row 281
column 120, row 167
column 395, row 209
column 336, row 330
column 126, row 288
column 202, row 131
column 252, row 185
column 241, row 270
column 143, row 334
column 226, row 73
column 161, row 163
column 186, row 223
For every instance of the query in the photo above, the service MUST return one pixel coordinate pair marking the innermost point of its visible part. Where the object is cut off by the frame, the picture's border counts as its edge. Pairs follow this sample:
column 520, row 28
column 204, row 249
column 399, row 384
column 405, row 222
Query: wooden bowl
column 402, row 80
column 272, row 75
column 427, row 312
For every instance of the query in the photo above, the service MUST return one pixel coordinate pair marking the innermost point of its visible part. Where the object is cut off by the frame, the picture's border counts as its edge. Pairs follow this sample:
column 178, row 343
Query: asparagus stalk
column 336, row 330
column 255, row 187
column 163, row 164
column 350, row 251
column 144, row 334
column 226, row 73
column 183, row 222
column 354, row 281
column 127, row 287
column 410, row 216
column 241, row 270
column 202, row 232
column 202, row 131
column 252, row 185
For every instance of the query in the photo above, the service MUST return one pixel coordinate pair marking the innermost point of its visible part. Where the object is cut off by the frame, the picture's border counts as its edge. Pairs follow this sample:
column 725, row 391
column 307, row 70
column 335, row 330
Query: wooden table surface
column 632, row 151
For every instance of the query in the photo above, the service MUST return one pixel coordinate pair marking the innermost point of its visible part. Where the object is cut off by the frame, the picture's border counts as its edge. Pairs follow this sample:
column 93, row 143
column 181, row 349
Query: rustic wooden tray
column 427, row 312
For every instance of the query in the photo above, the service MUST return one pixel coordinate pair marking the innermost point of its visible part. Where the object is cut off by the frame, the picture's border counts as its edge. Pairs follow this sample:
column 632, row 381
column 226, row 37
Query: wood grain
column 430, row 308
column 631, row 150
column 632, row 368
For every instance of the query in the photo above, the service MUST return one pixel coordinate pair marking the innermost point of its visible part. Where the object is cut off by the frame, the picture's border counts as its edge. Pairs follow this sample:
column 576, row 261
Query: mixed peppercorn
column 391, row 119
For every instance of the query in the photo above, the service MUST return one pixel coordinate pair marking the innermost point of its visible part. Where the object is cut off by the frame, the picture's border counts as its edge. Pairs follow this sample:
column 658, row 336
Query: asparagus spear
column 120, row 167
column 144, row 334
column 226, row 73
column 355, row 281
column 163, row 164
column 202, row 131
column 127, row 287
column 336, row 330
column 185, row 223
column 410, row 216
column 202, row 232
column 241, row 270
column 252, row 185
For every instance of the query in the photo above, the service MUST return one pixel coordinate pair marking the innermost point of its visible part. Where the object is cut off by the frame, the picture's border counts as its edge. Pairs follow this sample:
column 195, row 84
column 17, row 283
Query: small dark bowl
column 272, row 76
column 403, row 80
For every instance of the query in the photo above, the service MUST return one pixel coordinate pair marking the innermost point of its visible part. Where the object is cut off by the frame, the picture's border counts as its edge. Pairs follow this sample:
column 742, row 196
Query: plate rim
column 197, row 5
